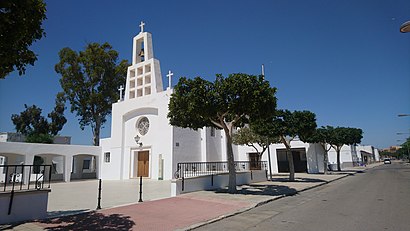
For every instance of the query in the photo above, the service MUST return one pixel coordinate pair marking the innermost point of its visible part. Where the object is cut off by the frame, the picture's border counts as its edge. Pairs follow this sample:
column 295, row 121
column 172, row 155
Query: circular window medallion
column 143, row 125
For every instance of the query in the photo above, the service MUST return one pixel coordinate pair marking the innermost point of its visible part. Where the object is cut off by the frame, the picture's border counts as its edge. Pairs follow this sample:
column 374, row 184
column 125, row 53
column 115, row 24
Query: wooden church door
column 143, row 164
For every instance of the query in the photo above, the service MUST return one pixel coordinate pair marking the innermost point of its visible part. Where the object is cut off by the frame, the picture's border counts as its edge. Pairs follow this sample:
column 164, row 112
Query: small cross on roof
column 169, row 75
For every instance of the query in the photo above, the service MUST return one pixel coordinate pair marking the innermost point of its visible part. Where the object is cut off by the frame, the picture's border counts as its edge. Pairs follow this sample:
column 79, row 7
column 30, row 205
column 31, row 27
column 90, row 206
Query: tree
column 286, row 126
column 35, row 127
column 224, row 104
column 322, row 136
column 20, row 26
column 245, row 136
column 404, row 150
column 344, row 135
column 90, row 80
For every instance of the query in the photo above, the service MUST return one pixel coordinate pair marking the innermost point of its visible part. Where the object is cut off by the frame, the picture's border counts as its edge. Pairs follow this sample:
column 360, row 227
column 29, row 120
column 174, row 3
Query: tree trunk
column 325, row 161
column 229, row 153
column 96, row 133
column 270, row 165
column 338, row 159
column 231, row 165
column 325, row 158
column 291, row 165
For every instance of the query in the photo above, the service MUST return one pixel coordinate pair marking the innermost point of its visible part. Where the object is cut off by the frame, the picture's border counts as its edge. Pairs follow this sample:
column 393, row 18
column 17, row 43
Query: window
column 255, row 161
column 86, row 164
column 54, row 168
column 107, row 157
column 142, row 125
column 212, row 131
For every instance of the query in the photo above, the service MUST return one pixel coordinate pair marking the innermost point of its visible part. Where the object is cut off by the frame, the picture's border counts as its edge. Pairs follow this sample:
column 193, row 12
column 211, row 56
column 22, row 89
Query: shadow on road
column 260, row 189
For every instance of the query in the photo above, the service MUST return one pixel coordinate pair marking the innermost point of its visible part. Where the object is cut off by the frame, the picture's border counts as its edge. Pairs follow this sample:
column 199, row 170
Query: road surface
column 378, row 199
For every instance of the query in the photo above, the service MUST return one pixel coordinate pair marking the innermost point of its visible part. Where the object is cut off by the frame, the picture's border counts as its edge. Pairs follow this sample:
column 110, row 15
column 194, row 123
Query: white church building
column 142, row 141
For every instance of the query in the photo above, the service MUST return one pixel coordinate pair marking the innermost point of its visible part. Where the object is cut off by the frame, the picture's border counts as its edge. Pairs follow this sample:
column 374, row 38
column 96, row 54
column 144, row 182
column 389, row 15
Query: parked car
column 387, row 161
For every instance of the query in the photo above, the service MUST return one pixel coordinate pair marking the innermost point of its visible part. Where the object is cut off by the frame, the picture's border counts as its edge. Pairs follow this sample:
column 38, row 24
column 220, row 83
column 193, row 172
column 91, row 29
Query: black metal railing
column 193, row 169
column 24, row 177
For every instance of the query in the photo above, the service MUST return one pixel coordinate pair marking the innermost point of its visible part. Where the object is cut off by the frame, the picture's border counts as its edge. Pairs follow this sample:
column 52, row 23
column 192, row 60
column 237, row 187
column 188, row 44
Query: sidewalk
column 186, row 211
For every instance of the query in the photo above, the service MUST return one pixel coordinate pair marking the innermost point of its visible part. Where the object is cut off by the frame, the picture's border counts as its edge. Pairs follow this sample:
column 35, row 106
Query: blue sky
column 346, row 61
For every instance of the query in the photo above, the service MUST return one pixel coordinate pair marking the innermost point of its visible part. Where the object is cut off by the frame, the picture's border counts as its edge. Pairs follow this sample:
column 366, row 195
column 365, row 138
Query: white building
column 354, row 155
column 306, row 157
column 68, row 161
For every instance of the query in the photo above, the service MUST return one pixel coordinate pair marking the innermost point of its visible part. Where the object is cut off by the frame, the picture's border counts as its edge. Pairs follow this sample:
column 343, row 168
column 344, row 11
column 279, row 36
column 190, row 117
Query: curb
column 197, row 225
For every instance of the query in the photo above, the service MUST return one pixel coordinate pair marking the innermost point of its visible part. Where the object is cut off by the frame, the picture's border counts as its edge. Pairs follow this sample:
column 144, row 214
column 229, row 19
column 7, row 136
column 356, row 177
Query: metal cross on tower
column 120, row 90
column 142, row 26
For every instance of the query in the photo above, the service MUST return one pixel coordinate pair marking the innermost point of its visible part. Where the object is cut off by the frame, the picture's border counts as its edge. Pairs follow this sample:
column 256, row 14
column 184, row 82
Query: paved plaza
column 159, row 211
column 79, row 196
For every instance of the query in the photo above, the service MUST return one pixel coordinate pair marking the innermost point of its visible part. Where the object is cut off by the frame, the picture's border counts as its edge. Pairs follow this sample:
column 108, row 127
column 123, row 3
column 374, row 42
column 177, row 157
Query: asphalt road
column 378, row 199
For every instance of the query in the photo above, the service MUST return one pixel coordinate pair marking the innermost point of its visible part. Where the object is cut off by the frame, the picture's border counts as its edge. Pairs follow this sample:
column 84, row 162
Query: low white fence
column 198, row 183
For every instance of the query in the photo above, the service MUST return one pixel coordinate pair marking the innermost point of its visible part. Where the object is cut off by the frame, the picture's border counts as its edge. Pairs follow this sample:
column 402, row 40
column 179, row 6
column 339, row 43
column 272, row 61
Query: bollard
column 11, row 201
column 212, row 180
column 140, row 200
column 99, row 195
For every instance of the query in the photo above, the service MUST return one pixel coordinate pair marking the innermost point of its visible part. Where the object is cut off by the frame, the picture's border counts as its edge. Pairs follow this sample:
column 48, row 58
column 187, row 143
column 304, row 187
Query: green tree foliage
column 246, row 136
column 404, row 151
column 90, row 80
column 20, row 26
column 224, row 104
column 322, row 136
column 344, row 135
column 57, row 115
column 286, row 126
column 35, row 127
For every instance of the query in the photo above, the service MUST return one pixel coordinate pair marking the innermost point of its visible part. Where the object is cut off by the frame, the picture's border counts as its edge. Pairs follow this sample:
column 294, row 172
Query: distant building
column 67, row 161
column 392, row 149
column 18, row 137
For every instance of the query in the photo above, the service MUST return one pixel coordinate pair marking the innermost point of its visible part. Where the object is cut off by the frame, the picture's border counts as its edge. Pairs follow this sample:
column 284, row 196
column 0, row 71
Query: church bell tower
column 144, row 75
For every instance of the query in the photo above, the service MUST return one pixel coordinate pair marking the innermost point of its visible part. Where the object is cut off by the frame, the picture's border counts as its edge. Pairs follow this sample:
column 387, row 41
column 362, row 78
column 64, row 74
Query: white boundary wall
column 27, row 205
column 219, row 181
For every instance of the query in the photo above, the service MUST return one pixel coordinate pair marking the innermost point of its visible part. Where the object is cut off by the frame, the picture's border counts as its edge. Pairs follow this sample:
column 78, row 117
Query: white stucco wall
column 376, row 154
column 110, row 170
column 27, row 205
column 158, row 140
column 214, row 145
column 314, row 155
column 347, row 155
column 186, row 146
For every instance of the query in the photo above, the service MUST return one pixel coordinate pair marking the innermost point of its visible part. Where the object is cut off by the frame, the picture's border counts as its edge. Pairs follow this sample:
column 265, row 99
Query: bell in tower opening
column 141, row 54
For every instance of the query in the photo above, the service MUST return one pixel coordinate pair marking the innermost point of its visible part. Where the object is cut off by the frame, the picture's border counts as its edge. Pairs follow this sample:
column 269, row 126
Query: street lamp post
column 405, row 27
